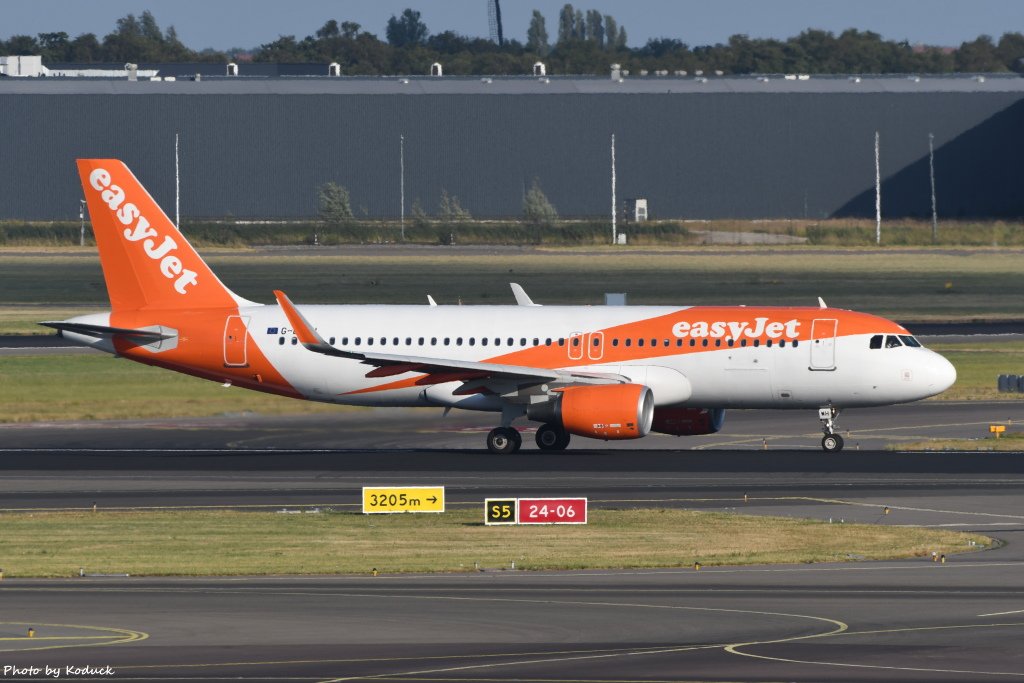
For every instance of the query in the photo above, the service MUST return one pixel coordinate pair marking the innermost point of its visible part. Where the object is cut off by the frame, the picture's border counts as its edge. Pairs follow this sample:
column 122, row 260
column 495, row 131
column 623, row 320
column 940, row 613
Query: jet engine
column 607, row 411
column 687, row 421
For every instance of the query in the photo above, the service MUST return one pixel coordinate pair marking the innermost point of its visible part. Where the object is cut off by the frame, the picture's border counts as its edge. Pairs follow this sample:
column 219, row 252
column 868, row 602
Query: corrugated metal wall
column 720, row 155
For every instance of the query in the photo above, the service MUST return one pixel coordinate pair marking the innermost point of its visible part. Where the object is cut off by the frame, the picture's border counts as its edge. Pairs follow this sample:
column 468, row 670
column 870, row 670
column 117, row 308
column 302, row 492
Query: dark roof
column 507, row 85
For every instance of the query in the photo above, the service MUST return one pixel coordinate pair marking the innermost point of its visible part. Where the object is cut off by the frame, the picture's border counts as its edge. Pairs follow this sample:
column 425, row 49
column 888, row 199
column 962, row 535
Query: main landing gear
column 551, row 438
column 504, row 440
column 831, row 442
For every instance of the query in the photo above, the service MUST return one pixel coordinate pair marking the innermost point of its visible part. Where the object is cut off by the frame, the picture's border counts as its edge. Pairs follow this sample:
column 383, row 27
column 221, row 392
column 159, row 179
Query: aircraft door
column 236, row 336
column 576, row 340
column 595, row 346
column 823, row 344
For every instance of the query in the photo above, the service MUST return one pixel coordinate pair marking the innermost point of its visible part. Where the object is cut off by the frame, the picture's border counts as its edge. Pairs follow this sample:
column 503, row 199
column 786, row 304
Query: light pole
column 401, row 180
column 81, row 217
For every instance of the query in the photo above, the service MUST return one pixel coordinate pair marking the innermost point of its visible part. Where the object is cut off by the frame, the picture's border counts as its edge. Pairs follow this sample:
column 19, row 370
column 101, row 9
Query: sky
column 223, row 24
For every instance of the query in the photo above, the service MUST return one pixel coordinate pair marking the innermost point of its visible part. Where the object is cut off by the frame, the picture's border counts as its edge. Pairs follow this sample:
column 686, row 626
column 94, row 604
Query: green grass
column 235, row 543
column 1008, row 442
column 94, row 387
column 907, row 285
column 564, row 232
column 978, row 366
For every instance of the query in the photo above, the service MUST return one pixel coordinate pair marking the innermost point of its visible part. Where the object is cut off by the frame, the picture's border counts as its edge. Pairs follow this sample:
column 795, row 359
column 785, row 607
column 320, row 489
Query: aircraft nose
column 941, row 374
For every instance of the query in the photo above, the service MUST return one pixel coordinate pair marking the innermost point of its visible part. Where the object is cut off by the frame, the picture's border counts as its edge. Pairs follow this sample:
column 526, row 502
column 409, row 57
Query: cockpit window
column 892, row 341
column 876, row 342
column 909, row 341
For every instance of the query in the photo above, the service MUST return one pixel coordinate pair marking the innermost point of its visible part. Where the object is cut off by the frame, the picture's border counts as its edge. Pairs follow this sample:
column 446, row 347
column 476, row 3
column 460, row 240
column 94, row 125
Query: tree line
column 584, row 42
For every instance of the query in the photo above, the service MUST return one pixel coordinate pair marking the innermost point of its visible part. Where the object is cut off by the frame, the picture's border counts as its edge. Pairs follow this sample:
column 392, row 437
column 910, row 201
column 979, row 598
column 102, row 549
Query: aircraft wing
column 440, row 369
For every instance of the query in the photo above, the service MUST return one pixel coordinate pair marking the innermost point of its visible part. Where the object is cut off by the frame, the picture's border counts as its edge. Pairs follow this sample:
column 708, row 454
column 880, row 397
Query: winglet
column 522, row 298
column 303, row 330
column 821, row 303
column 430, row 300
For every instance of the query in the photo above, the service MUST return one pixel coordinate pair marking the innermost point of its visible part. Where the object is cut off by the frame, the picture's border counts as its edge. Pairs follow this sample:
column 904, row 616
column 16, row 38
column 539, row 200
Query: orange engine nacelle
column 687, row 421
column 609, row 411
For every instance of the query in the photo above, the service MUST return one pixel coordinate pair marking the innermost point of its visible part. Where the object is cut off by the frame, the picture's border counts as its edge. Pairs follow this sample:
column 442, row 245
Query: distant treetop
column 586, row 43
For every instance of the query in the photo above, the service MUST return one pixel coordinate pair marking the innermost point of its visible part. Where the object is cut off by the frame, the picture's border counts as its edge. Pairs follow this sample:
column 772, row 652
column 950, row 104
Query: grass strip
column 201, row 543
column 100, row 387
column 916, row 285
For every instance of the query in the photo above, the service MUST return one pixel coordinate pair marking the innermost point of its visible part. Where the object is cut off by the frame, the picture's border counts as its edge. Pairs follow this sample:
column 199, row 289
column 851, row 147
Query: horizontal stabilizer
column 102, row 330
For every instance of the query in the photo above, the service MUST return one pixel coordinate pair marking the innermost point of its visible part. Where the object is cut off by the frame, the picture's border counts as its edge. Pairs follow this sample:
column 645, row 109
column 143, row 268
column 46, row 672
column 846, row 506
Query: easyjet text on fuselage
column 761, row 327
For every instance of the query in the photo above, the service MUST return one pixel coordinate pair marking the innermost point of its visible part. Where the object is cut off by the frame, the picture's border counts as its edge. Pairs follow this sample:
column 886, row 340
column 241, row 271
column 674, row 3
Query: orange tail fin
column 147, row 263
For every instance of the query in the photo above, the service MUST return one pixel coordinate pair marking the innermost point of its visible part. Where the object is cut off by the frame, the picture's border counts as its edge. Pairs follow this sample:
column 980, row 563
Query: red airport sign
column 552, row 511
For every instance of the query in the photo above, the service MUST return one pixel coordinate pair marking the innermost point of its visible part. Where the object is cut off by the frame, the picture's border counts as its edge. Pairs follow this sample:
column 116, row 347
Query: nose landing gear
column 831, row 442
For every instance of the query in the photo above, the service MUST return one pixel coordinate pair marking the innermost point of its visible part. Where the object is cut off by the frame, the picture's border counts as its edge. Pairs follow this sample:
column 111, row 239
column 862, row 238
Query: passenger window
column 369, row 341
column 640, row 341
column 615, row 341
column 421, row 340
column 575, row 341
column 384, row 341
column 743, row 342
column 483, row 341
column 433, row 341
column 693, row 342
column 629, row 342
column 281, row 341
column 294, row 341
column 731, row 342
column 910, row 341
column 654, row 342
column 393, row 341
column 757, row 343
column 331, row 341
column 768, row 343
column 536, row 341
column 597, row 341
column 358, row 340
column 408, row 341
column 718, row 342
column 472, row 341
column 782, row 343
column 796, row 343
column 522, row 341
column 892, row 341
column 679, row 342
column 703, row 342
column 547, row 342
column 447, row 341
column 458, row 341
column 561, row 342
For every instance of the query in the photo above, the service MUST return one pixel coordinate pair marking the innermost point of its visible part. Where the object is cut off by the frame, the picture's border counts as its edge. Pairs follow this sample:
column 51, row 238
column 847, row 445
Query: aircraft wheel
column 832, row 443
column 504, row 440
column 550, row 438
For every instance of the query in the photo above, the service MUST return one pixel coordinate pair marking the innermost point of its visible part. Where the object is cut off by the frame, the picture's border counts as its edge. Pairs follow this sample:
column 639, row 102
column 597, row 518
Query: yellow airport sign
column 392, row 499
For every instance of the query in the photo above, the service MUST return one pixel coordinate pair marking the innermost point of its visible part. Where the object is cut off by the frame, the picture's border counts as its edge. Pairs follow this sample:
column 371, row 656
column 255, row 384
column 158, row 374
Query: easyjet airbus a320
column 597, row 372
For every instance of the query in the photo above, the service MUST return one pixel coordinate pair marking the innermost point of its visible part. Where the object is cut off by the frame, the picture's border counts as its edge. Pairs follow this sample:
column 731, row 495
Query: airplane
column 600, row 372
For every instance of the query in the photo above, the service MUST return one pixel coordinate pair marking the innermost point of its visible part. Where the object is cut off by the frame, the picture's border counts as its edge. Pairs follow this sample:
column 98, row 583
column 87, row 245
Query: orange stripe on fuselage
column 746, row 321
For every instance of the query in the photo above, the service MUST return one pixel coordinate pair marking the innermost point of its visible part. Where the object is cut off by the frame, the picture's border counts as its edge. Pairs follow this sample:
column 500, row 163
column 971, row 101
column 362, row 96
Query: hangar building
column 740, row 147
